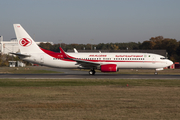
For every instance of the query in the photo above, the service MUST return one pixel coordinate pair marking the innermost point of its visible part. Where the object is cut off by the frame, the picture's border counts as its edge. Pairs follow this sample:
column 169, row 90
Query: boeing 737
column 105, row 62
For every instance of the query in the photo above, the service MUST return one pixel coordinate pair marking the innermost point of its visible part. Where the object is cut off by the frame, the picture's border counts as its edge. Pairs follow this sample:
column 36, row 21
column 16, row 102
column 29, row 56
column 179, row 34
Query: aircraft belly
column 129, row 65
column 61, row 64
column 140, row 65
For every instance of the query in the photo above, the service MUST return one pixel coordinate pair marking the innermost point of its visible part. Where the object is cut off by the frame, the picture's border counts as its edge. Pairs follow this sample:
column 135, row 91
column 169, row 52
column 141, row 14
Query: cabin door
column 153, row 59
column 41, row 59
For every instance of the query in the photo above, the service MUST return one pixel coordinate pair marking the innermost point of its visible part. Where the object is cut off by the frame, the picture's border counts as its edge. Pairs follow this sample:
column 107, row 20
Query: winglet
column 63, row 53
column 75, row 50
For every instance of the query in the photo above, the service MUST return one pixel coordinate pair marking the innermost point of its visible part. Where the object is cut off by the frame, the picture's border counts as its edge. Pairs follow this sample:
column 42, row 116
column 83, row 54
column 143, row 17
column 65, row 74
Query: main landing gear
column 155, row 73
column 92, row 72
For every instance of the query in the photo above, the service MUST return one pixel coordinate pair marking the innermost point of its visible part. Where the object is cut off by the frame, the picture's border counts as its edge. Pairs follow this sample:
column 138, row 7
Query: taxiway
column 78, row 74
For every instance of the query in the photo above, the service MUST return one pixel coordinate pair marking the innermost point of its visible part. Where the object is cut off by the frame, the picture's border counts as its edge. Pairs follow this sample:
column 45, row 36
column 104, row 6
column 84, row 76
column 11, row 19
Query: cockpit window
column 162, row 58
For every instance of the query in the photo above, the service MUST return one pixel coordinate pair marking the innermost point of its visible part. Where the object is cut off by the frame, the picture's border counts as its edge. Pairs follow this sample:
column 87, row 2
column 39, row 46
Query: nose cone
column 169, row 62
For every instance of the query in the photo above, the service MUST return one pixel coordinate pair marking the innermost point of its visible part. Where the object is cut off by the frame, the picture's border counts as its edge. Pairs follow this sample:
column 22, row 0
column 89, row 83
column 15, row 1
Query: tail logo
column 25, row 42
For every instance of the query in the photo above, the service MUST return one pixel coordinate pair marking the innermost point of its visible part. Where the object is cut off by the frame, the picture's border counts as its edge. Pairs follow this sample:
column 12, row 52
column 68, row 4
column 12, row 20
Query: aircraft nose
column 169, row 62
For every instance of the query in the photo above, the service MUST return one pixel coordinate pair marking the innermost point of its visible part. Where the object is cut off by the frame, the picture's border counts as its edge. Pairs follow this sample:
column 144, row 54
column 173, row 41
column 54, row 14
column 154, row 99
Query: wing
column 82, row 63
column 85, row 64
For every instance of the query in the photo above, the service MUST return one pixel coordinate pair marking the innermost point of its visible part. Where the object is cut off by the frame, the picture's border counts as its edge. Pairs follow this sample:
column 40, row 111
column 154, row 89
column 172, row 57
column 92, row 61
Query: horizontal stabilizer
column 20, row 55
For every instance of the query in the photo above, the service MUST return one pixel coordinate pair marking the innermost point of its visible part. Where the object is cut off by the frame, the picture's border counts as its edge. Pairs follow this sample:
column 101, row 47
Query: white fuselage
column 122, row 60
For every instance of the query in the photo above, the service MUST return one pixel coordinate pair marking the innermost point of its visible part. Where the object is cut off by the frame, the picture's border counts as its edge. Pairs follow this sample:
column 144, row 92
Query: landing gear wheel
column 156, row 73
column 92, row 72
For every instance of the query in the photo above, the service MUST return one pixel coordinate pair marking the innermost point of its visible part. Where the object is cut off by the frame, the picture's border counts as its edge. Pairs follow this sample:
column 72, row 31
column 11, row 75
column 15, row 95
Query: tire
column 156, row 73
column 92, row 72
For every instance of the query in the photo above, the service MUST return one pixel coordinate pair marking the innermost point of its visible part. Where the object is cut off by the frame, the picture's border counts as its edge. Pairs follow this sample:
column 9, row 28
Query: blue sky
column 80, row 21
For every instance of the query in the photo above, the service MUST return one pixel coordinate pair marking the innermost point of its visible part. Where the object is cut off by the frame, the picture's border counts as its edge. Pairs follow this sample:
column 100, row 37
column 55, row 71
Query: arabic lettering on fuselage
column 97, row 55
column 116, row 55
column 128, row 55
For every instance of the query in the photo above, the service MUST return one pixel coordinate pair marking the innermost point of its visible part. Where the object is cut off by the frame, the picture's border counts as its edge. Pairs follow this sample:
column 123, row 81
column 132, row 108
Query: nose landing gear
column 155, row 73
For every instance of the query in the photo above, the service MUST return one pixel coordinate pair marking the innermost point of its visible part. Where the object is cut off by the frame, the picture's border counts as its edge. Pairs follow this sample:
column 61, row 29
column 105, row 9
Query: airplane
column 105, row 62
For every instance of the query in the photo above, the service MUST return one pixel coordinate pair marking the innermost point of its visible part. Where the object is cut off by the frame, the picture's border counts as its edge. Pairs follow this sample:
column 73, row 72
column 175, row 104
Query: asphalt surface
column 84, row 76
column 78, row 74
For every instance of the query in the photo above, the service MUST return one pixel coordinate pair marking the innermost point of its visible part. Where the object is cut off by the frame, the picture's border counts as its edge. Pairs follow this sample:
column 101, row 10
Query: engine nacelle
column 109, row 68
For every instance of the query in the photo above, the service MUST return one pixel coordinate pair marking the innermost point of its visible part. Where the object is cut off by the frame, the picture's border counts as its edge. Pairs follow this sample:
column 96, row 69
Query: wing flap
column 86, row 63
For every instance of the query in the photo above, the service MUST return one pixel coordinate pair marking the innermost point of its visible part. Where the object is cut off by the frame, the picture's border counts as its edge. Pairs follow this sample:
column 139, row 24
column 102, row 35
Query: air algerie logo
column 25, row 42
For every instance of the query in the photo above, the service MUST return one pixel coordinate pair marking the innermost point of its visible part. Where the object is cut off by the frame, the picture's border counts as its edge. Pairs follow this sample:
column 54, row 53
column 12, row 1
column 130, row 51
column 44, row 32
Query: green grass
column 87, row 82
column 89, row 99
column 25, row 70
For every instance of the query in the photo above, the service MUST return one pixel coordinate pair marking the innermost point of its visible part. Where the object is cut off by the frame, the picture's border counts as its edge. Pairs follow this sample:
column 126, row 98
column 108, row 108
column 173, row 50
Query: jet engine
column 109, row 68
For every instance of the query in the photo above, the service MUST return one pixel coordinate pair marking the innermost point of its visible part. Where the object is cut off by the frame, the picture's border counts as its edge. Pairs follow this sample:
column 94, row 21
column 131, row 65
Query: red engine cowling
column 109, row 68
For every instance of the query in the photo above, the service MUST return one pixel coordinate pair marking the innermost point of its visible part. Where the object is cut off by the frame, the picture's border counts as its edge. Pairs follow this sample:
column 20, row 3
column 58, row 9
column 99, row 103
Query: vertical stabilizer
column 25, row 42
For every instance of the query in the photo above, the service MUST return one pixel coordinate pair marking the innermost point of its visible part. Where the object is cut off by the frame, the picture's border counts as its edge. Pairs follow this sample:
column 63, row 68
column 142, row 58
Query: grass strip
column 26, row 70
column 87, row 82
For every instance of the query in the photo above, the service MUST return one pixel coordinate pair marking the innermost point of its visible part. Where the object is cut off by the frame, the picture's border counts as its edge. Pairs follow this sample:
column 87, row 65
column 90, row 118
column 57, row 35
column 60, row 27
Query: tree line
column 172, row 46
